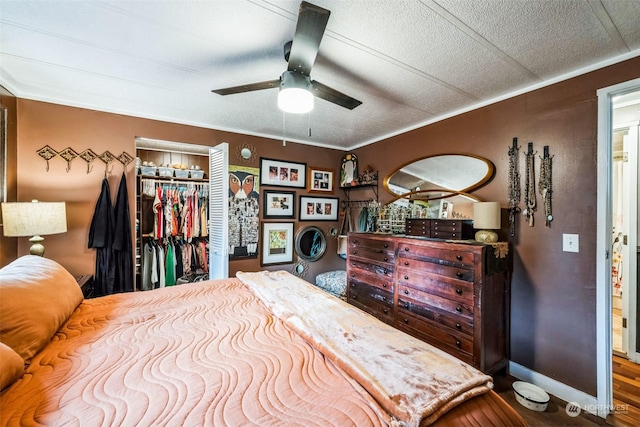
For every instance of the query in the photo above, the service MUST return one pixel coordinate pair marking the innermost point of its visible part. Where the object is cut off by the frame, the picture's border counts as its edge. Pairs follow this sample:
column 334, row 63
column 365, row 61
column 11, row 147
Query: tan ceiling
column 410, row 62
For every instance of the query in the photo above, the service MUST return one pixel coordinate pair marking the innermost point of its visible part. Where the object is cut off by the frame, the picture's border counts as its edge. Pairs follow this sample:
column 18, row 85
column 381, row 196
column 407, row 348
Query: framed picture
column 318, row 208
column 277, row 243
column 349, row 170
column 244, row 212
column 282, row 174
column 279, row 204
column 320, row 180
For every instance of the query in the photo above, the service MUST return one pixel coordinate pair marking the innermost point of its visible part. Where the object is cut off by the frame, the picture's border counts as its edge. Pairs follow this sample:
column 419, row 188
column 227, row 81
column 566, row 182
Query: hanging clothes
column 122, row 257
column 101, row 239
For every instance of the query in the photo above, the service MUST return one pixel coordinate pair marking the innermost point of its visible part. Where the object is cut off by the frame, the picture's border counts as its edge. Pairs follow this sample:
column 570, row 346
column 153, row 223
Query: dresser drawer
column 438, row 255
column 382, row 269
column 373, row 245
column 374, row 301
column 444, row 234
column 442, row 285
column 458, row 323
column 430, row 267
column 365, row 277
column 455, row 342
column 449, row 225
column 462, row 310
column 366, row 254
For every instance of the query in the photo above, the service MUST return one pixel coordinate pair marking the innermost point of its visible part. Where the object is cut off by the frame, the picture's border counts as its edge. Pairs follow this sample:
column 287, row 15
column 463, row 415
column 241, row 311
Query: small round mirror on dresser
column 310, row 243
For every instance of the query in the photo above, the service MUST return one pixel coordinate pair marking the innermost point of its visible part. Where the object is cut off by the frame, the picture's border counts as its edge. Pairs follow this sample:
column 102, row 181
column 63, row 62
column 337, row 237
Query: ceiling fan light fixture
column 295, row 95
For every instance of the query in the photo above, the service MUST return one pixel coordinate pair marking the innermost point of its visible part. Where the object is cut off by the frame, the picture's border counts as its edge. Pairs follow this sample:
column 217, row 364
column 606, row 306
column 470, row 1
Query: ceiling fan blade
column 332, row 95
column 312, row 21
column 248, row 87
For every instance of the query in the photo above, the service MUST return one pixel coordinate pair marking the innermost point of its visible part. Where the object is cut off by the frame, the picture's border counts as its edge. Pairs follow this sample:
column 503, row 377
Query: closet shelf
column 174, row 179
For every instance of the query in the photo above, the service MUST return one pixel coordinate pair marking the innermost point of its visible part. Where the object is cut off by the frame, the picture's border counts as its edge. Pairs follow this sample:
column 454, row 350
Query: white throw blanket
column 409, row 378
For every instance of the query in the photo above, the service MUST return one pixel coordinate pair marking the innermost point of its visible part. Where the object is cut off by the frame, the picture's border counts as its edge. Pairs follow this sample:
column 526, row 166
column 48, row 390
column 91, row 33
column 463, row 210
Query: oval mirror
column 310, row 243
column 446, row 173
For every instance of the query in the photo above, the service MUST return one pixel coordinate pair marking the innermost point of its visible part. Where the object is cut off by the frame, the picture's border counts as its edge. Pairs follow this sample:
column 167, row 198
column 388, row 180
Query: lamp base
column 37, row 248
column 486, row 236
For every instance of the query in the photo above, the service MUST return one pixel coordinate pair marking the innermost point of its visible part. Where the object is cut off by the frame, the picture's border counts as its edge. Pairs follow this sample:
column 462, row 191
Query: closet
column 172, row 214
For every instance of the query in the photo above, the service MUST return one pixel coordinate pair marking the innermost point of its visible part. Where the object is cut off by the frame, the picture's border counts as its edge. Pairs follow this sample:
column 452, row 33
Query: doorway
column 617, row 206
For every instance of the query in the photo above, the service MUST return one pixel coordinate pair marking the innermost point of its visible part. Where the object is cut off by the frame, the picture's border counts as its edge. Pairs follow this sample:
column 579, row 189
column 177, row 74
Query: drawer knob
column 386, row 258
column 386, row 245
column 453, row 223
column 406, row 249
column 459, row 291
column 458, row 344
column 353, row 274
column 406, row 263
column 384, row 298
column 459, row 275
column 406, row 305
column 459, row 257
column 353, row 285
column 406, row 277
column 406, row 291
column 384, row 285
column 459, row 309
column 453, row 234
column 385, row 311
column 458, row 326
column 355, row 297
column 355, row 240
column 385, row 271
column 354, row 252
column 406, row 320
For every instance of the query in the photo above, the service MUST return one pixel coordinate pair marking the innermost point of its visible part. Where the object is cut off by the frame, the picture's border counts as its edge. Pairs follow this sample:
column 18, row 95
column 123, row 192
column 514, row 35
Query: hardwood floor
column 626, row 393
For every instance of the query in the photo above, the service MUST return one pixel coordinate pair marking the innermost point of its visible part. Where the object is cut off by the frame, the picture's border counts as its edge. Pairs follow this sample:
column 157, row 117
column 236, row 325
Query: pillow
column 37, row 295
column 11, row 366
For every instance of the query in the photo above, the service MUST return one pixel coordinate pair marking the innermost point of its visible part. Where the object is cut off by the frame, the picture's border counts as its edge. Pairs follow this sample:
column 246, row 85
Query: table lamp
column 486, row 218
column 34, row 219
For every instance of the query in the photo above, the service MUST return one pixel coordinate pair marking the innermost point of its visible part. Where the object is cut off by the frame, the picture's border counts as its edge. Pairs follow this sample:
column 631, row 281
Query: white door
column 606, row 98
column 219, row 211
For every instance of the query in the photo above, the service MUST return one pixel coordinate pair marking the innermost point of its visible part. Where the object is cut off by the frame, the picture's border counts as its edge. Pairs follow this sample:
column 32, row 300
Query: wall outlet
column 570, row 243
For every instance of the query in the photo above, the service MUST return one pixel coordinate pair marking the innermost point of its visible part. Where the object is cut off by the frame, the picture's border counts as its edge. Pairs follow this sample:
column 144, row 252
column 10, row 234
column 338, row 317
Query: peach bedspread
column 207, row 353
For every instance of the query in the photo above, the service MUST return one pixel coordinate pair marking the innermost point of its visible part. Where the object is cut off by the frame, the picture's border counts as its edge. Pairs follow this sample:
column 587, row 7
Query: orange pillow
column 37, row 295
column 11, row 366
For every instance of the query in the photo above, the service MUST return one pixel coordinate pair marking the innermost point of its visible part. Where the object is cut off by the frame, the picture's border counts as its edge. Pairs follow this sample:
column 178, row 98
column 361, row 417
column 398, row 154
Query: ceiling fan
column 300, row 53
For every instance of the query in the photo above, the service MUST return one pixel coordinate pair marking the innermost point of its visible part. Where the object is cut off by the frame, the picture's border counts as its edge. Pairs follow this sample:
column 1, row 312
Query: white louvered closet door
column 219, row 211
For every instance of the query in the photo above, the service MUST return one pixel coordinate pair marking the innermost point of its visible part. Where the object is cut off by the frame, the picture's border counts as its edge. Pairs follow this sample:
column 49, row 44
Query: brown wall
column 41, row 124
column 553, row 292
column 9, row 245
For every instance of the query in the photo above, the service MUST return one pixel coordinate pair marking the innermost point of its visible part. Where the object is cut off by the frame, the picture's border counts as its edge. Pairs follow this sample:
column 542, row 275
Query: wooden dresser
column 455, row 296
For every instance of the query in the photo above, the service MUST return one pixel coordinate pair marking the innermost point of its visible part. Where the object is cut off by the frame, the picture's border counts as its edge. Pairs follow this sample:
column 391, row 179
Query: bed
column 263, row 348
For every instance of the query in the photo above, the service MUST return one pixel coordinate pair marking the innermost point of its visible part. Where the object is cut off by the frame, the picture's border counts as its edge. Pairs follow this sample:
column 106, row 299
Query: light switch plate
column 570, row 243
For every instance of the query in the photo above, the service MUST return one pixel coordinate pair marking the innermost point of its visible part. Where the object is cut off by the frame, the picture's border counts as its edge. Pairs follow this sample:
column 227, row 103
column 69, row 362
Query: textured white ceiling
column 410, row 62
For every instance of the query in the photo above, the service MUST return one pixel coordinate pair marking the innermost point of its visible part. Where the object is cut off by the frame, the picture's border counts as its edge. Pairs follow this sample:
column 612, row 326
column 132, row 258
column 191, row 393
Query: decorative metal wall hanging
column 544, row 184
column 514, row 186
column 47, row 153
column 530, row 185
column 246, row 153
column 88, row 155
column 68, row 154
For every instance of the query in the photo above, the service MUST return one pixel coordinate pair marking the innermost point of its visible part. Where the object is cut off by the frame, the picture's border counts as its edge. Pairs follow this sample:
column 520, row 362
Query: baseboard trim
column 560, row 390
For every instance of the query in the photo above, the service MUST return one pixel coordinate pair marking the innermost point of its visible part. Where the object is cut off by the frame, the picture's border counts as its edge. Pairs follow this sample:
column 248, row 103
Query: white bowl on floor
column 531, row 396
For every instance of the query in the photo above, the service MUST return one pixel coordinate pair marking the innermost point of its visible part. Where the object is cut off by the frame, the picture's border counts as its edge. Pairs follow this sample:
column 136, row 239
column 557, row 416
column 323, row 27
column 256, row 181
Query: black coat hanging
column 101, row 238
column 122, row 241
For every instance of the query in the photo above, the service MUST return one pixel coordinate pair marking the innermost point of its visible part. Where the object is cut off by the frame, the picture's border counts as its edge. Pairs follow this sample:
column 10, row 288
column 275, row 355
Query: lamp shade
column 295, row 95
column 34, row 218
column 486, row 216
